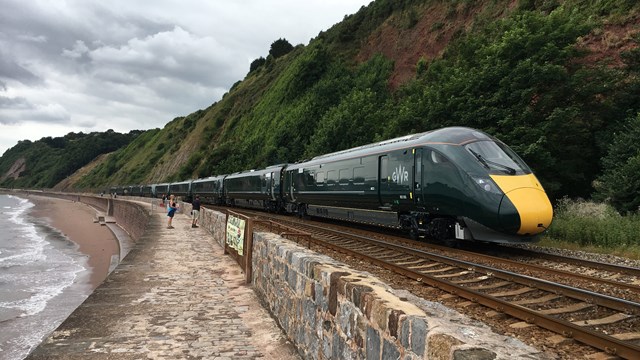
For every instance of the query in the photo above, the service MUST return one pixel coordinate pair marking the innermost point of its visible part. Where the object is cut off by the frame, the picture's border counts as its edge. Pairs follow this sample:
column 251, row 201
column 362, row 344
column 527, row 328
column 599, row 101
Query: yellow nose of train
column 528, row 197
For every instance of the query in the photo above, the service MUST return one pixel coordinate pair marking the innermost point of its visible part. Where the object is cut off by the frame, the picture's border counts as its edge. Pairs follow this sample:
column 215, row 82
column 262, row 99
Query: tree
column 280, row 48
column 255, row 64
column 620, row 182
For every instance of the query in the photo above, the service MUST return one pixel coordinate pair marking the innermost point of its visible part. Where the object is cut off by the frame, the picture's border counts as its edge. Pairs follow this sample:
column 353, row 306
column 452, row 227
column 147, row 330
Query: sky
column 91, row 65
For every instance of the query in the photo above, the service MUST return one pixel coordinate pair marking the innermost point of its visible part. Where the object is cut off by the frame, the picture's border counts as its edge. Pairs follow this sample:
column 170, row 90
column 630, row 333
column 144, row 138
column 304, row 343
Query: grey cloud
column 14, row 103
column 9, row 69
column 47, row 114
column 54, row 31
column 175, row 54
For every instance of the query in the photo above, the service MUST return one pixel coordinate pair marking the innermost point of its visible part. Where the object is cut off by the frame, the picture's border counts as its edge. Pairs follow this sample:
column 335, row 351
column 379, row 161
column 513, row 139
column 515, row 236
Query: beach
column 76, row 221
column 52, row 256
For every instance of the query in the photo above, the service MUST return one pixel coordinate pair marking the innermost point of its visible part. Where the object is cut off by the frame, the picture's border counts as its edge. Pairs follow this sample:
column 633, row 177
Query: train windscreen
column 497, row 158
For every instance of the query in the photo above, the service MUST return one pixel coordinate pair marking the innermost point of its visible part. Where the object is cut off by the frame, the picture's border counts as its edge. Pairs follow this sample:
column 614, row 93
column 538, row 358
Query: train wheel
column 302, row 211
column 414, row 234
column 441, row 229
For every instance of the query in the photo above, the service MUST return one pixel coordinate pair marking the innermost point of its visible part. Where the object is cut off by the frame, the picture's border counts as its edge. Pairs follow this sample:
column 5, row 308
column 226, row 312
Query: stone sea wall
column 330, row 311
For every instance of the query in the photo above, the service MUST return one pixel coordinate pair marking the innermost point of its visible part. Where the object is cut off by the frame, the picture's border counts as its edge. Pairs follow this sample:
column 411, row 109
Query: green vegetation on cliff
column 50, row 160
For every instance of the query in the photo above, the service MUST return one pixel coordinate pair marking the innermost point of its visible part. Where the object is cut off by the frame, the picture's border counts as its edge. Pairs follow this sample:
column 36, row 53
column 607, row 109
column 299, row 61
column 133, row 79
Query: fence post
column 248, row 251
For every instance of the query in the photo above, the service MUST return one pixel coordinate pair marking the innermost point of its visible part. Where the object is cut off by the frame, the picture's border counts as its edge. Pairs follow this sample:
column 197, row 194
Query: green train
column 451, row 183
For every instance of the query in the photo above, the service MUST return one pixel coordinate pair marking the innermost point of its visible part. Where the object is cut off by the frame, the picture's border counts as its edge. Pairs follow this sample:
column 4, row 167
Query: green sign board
column 235, row 233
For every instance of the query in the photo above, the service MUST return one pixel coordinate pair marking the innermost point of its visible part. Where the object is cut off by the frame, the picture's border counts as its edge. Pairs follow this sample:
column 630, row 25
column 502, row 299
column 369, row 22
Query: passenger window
column 332, row 176
column 320, row 179
column 309, row 179
column 358, row 176
column 345, row 176
column 384, row 172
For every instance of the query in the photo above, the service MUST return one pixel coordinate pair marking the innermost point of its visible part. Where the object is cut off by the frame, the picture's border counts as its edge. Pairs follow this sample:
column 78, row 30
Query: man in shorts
column 195, row 212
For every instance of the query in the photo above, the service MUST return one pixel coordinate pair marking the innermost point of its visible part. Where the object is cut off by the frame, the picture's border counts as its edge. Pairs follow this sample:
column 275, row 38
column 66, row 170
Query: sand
column 76, row 221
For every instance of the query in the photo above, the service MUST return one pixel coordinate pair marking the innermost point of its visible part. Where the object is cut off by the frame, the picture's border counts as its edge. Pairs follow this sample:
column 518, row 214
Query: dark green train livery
column 443, row 184
column 258, row 189
column 451, row 183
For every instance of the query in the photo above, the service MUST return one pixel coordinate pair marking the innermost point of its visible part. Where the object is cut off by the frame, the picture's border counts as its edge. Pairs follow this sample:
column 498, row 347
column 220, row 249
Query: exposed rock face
column 16, row 169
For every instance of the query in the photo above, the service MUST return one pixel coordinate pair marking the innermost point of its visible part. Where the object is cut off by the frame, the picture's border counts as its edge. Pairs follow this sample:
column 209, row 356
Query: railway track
column 606, row 322
column 618, row 281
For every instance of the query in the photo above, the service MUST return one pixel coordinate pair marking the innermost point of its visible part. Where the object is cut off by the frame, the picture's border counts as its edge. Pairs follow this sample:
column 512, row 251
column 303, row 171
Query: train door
column 417, row 178
column 291, row 186
column 395, row 178
column 384, row 179
column 441, row 184
column 272, row 186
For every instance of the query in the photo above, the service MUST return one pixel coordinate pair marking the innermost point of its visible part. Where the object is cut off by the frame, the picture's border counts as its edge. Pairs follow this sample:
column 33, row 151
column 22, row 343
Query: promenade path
column 174, row 296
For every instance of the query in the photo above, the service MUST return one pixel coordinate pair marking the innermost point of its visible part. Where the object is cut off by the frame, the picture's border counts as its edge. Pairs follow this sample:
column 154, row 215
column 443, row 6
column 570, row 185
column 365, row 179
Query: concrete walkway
column 174, row 296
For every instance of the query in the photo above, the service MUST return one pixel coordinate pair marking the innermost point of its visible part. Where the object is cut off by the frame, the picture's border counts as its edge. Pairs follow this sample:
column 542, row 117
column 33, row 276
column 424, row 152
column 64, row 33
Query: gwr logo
column 400, row 175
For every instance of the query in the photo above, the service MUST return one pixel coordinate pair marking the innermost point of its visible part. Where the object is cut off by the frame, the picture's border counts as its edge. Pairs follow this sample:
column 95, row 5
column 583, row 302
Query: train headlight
column 487, row 185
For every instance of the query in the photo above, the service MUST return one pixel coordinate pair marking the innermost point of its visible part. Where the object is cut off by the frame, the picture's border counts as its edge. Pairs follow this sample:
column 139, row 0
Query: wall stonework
column 133, row 217
column 330, row 311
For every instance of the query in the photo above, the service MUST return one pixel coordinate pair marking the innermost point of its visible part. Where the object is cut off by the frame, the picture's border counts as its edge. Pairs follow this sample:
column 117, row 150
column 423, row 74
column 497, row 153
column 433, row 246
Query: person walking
column 172, row 207
column 195, row 211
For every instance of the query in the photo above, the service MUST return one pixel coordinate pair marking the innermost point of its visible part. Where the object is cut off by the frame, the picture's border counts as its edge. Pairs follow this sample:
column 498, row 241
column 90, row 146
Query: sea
column 43, row 278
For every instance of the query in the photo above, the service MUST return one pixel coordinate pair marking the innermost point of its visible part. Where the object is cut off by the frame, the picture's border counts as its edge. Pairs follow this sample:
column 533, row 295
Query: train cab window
column 497, row 157
column 438, row 158
column 438, row 169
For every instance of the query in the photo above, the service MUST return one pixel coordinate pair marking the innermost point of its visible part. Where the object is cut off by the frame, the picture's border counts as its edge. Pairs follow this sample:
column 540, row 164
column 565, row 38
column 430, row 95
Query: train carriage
column 448, row 183
column 258, row 189
column 181, row 189
column 147, row 191
column 209, row 189
column 134, row 190
column 160, row 189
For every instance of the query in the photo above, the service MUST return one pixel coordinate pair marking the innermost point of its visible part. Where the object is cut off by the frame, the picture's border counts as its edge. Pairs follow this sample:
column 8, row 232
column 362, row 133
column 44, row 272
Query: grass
column 594, row 227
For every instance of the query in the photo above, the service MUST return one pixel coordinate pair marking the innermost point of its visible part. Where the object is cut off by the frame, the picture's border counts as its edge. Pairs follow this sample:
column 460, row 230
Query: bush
column 587, row 223
column 280, row 48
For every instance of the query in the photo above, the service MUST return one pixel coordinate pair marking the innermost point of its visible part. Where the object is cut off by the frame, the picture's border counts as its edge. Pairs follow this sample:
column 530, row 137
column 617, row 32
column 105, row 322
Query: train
column 454, row 183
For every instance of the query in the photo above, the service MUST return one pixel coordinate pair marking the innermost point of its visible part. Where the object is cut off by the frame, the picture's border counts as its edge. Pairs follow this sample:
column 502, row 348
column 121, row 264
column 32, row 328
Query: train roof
column 256, row 172
column 181, row 182
column 210, row 178
column 447, row 136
